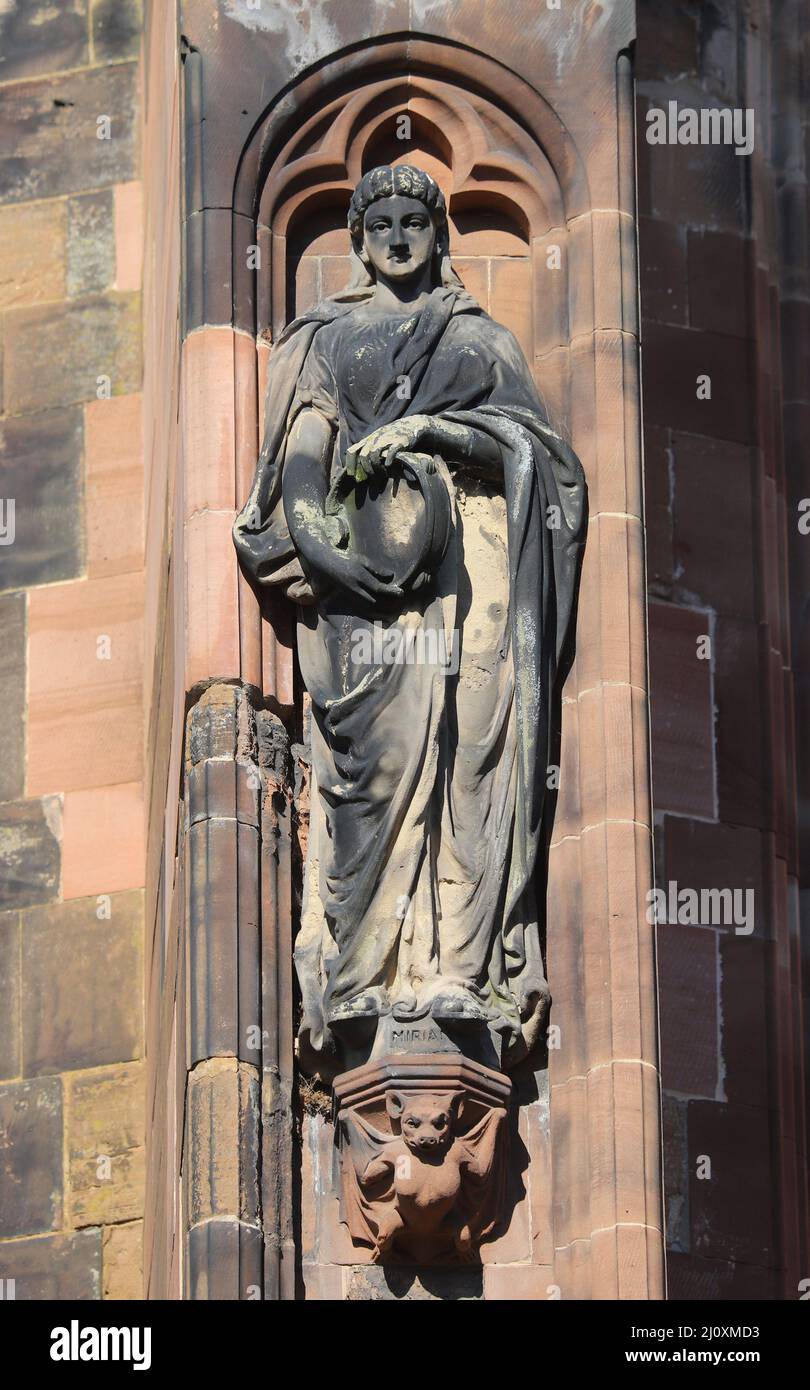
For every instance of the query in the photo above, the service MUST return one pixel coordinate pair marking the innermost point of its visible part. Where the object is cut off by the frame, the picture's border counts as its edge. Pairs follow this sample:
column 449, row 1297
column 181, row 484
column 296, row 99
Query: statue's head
column 426, row 1122
column 398, row 224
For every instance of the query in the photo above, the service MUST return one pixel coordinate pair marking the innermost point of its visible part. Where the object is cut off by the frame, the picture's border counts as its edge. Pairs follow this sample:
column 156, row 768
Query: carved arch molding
column 506, row 163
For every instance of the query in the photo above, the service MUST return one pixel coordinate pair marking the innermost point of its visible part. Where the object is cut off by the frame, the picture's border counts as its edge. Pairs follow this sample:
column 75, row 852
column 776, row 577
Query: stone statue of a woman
column 413, row 500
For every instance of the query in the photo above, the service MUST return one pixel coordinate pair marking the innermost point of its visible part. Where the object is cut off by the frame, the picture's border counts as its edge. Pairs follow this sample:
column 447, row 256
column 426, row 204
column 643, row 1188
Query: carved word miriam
column 408, row 1035
column 76, row 1343
column 709, row 126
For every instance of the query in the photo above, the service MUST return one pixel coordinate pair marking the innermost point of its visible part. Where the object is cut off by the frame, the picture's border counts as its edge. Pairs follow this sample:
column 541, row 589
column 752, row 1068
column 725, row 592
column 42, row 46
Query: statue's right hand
column 366, row 580
column 350, row 571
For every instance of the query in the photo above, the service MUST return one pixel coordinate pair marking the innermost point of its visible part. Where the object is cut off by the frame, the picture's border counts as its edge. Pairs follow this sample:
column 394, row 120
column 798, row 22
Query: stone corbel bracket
column 423, row 1143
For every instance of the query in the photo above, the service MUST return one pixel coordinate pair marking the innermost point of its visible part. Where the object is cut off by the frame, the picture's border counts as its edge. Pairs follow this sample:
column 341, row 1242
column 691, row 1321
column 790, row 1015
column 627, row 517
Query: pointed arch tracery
column 507, row 165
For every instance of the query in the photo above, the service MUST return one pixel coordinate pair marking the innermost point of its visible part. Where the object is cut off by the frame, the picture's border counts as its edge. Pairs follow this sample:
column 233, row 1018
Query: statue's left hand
column 378, row 451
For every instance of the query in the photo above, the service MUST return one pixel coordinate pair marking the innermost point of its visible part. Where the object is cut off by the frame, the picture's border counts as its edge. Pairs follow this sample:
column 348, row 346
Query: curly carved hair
column 387, row 182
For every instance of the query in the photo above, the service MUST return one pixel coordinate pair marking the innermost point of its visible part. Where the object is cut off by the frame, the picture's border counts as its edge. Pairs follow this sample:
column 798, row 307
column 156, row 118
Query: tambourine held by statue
column 401, row 520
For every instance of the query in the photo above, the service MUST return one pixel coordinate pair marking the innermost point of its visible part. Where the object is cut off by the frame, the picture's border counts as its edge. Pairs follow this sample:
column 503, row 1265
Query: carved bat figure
column 415, row 1185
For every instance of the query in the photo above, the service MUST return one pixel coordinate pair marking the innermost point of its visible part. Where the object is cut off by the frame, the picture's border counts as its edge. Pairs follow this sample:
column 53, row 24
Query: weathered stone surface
column 116, row 27
column 32, row 253
column 90, row 243
column 222, row 1141
column 30, row 1157
column 129, row 235
column 676, row 357
column 519, row 1284
column 103, row 840
column 51, row 133
column 105, row 1137
column 658, row 510
column 80, row 342
column 41, row 468
column 676, row 1172
column 718, row 291
column 81, row 978
column 375, row 1284
column 224, row 1261
column 113, row 434
column 747, row 967
column 12, row 696
column 223, row 932
column 85, row 684
column 322, row 1283
column 662, row 255
column 687, row 970
column 742, row 752
column 208, row 401
column 220, row 725
column 9, row 994
column 212, row 645
column 668, row 40
column 40, row 36
column 711, row 479
column 54, row 1267
column 122, row 1260
column 30, row 833
column 209, row 292
column 708, row 856
column 708, row 1281
column 682, row 713
column 729, row 1216
column 697, row 185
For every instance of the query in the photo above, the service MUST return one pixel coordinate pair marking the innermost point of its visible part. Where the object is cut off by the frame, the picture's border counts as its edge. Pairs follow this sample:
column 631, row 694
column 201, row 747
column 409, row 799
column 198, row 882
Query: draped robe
column 428, row 786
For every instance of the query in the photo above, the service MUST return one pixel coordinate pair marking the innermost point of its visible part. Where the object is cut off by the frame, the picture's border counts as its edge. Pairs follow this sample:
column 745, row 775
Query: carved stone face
column 425, row 1124
column 398, row 237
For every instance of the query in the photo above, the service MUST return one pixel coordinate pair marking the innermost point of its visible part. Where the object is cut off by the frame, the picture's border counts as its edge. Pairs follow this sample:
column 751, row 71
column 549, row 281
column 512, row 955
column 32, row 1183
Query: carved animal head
column 426, row 1122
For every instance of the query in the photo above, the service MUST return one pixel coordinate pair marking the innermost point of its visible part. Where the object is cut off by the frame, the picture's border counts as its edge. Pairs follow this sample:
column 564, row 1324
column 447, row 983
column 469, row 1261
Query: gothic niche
column 413, row 501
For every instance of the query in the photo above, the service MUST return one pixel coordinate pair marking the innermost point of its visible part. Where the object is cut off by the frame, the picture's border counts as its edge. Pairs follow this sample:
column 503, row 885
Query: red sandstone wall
column 86, row 739
column 724, row 292
column 71, row 652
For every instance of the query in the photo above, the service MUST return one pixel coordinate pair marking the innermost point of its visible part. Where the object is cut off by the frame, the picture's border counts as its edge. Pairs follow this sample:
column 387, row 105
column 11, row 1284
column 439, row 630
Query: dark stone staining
column 9, row 994
column 676, row 1171
column 51, row 143
column 746, row 967
column 30, row 1157
column 116, row 26
column 80, row 342
column 54, row 1267
column 222, row 848
column 30, row 855
column 40, row 36
column 725, row 1223
column 12, row 694
column 208, row 296
column 91, row 243
column 79, row 972
column 223, row 908
column 224, row 1260
column 690, row 1279
column 41, row 468
column 376, row 1284
column 222, row 1144
column 677, row 355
